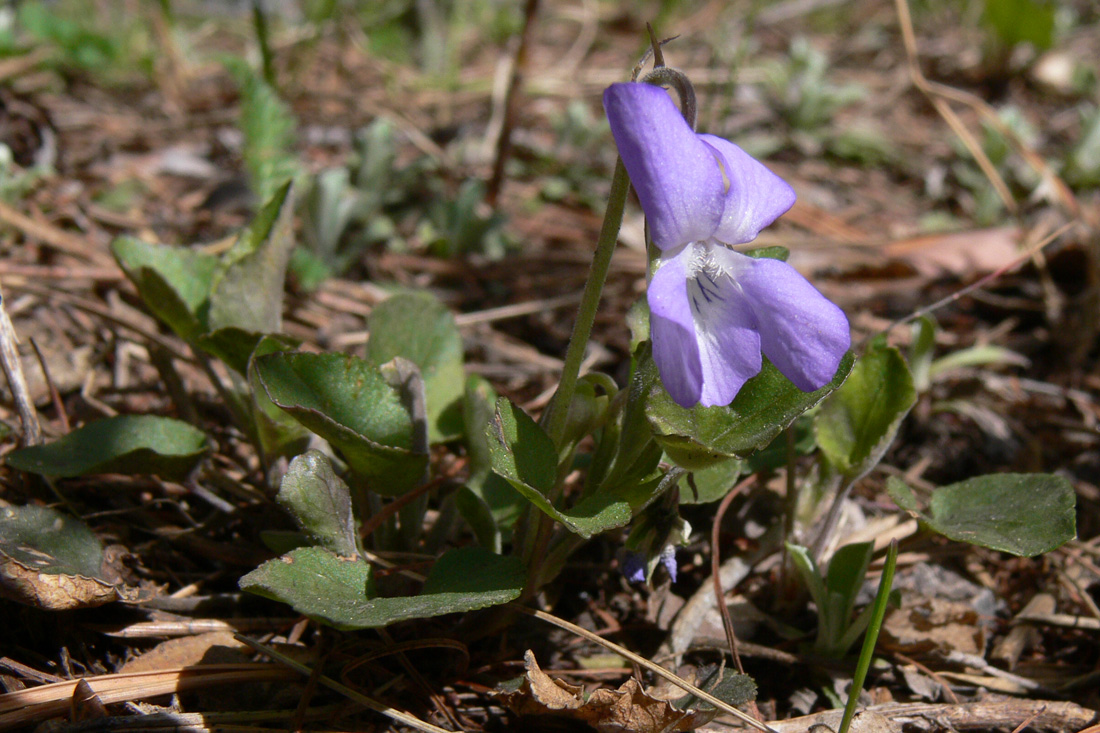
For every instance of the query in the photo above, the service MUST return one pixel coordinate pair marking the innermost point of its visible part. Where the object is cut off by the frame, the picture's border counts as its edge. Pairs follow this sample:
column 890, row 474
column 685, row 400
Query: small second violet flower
column 713, row 310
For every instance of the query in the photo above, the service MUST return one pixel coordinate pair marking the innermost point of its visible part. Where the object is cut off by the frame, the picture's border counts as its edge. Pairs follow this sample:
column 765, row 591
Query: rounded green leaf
column 174, row 282
column 320, row 502
column 1024, row 514
column 417, row 327
column 348, row 402
column 859, row 421
column 698, row 437
column 123, row 444
column 340, row 590
column 49, row 541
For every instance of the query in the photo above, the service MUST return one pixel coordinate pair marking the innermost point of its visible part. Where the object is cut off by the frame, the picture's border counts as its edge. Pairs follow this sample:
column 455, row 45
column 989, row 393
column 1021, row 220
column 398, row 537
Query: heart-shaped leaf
column 123, row 444
column 1024, row 514
column 348, row 402
column 859, row 421
column 340, row 590
column 699, row 436
column 417, row 327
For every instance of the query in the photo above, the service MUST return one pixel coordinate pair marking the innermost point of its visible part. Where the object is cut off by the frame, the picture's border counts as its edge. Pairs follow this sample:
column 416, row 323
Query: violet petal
column 672, row 330
column 803, row 333
column 755, row 196
column 676, row 175
column 725, row 326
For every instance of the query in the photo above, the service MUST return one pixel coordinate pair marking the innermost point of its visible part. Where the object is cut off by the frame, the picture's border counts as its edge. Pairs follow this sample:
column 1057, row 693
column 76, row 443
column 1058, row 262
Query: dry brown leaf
column 217, row 647
column 976, row 252
column 62, row 591
column 629, row 708
column 933, row 625
column 52, row 591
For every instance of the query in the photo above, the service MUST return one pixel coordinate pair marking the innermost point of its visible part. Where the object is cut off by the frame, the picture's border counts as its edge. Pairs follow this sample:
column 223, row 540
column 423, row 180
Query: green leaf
column 232, row 345
column 174, row 282
column 1021, row 21
column 847, row 569
column 637, row 453
column 902, row 495
column 417, row 327
column 488, row 503
column 317, row 583
column 320, row 502
column 51, row 561
column 700, row 436
column 807, row 570
column 49, row 541
column 856, row 425
column 267, row 125
column 247, row 291
column 711, row 483
column 278, row 433
column 921, row 352
column 340, row 591
column 1024, row 514
column 774, row 252
column 524, row 455
column 348, row 402
column 520, row 450
column 728, row 686
column 123, row 444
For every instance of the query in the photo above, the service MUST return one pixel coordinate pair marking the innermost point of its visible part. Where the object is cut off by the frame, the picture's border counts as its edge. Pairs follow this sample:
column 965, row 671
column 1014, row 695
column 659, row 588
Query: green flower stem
column 533, row 533
column 868, row 650
column 557, row 412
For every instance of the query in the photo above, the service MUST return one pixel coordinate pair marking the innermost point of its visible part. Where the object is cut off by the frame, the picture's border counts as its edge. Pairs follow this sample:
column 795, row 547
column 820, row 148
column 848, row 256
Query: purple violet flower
column 713, row 310
column 636, row 567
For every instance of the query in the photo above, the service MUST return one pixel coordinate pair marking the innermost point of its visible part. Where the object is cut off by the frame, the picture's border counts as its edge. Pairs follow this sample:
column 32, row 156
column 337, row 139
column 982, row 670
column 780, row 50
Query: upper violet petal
column 755, row 196
column 803, row 333
column 677, row 177
column 672, row 330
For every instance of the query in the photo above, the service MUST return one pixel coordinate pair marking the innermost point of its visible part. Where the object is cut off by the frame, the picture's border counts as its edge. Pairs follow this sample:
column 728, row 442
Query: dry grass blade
column 398, row 715
column 23, row 707
column 945, row 111
column 17, row 381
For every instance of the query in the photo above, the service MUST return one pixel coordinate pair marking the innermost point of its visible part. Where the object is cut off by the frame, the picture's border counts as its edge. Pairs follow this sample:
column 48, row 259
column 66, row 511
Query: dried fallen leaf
column 933, row 625
column 629, row 708
column 51, row 561
column 218, row 647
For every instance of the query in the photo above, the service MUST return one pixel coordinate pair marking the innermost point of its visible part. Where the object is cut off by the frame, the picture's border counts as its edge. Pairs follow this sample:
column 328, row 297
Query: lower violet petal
column 672, row 331
column 803, row 333
column 725, row 326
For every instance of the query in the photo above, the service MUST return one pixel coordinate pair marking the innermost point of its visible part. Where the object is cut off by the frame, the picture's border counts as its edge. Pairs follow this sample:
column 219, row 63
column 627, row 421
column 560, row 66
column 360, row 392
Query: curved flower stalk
column 713, row 310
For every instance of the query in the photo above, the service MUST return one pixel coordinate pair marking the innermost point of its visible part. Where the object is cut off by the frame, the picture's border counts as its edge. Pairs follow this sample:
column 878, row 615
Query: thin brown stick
column 909, row 40
column 398, row 715
column 394, row 506
column 981, row 282
column 642, row 661
column 17, row 381
column 504, row 142
column 55, row 396
column 59, row 239
column 952, row 697
column 715, row 569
